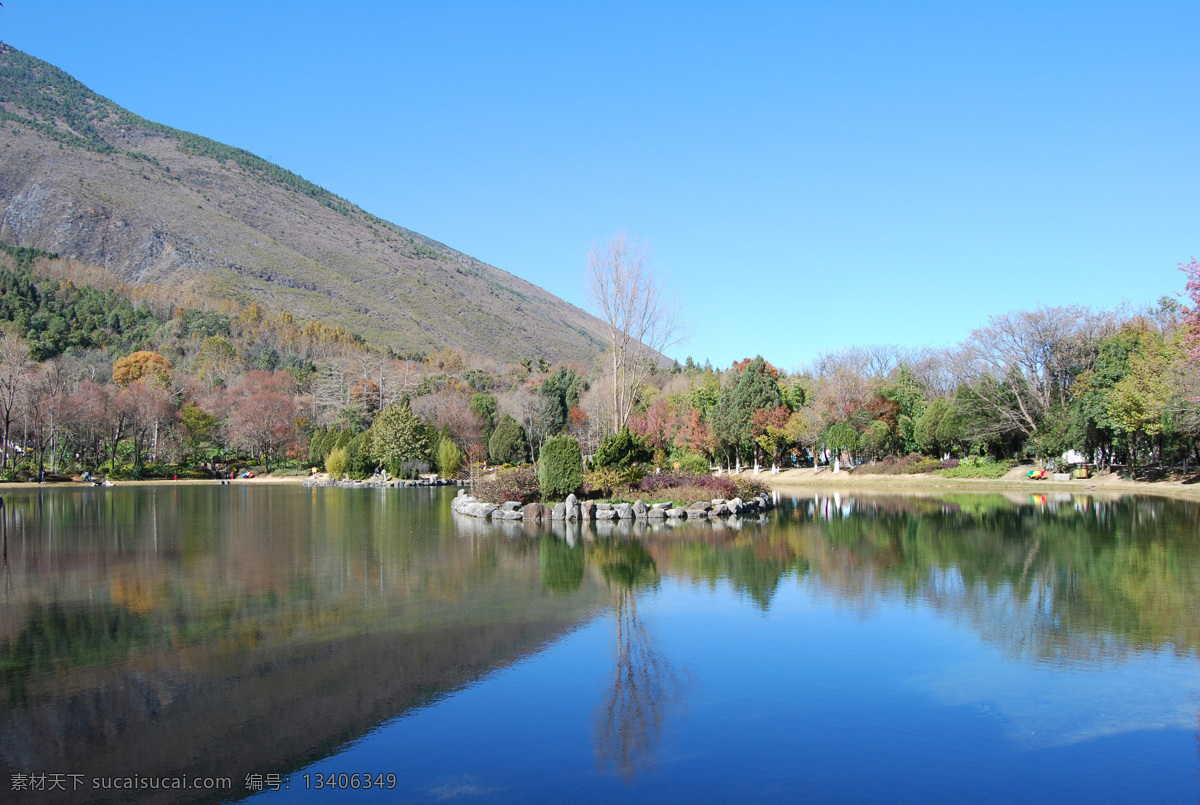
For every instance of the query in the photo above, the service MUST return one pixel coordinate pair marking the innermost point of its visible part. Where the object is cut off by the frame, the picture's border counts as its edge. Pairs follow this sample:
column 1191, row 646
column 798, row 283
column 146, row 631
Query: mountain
column 85, row 178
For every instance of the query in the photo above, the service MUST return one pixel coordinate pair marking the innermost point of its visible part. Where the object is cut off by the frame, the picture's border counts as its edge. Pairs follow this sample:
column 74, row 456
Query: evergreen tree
column 397, row 435
column 508, row 444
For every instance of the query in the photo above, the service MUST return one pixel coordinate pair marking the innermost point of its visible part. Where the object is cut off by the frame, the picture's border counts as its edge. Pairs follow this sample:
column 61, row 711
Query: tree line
column 122, row 380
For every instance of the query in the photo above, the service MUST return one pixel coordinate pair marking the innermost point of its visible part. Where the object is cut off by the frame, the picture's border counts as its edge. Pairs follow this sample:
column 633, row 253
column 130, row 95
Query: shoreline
column 801, row 478
column 804, row 478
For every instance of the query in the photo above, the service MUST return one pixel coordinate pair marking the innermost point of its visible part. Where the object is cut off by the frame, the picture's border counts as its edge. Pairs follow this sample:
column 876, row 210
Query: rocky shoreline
column 574, row 509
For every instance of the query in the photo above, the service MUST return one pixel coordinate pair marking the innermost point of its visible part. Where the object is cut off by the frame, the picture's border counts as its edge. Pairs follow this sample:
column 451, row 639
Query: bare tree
column 641, row 324
column 1022, row 364
column 15, row 369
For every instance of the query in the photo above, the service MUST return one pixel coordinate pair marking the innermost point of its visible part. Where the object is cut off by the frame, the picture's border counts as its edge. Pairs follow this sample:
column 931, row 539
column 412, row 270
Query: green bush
column 508, row 444
column 622, row 451
column 612, row 483
column 975, row 467
column 692, row 464
column 337, row 463
column 560, row 468
column 449, row 458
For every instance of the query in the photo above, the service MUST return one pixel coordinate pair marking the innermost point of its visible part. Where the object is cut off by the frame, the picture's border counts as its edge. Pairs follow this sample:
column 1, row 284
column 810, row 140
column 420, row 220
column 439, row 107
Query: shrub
column 508, row 445
column 560, row 468
column 518, row 483
column 337, row 463
column 449, row 458
column 409, row 470
column 692, row 464
column 750, row 487
column 713, row 486
column 898, row 465
column 603, row 483
column 622, row 451
column 979, row 468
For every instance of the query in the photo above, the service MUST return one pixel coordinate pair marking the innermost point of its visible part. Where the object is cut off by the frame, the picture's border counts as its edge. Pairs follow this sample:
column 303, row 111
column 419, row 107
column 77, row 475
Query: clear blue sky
column 809, row 175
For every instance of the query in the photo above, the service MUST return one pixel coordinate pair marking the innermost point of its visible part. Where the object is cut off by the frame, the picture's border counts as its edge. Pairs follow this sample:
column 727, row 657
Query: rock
column 640, row 508
column 461, row 493
column 700, row 506
column 511, row 505
column 697, row 514
column 573, row 509
column 587, row 510
column 718, row 502
column 510, row 514
column 666, row 505
column 559, row 512
column 624, row 512
column 720, row 510
column 677, row 513
column 656, row 514
column 603, row 506
column 606, row 514
column 571, row 500
column 535, row 511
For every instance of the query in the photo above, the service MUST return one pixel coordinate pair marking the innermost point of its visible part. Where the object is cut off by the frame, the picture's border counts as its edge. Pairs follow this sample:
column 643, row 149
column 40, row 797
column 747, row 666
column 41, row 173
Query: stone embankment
column 575, row 509
column 382, row 483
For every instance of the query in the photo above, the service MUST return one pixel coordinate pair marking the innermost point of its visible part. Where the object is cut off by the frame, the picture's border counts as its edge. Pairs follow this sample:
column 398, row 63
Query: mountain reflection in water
column 236, row 630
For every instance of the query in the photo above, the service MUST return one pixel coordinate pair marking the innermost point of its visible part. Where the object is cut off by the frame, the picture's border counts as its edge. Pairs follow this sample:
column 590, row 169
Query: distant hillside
column 90, row 180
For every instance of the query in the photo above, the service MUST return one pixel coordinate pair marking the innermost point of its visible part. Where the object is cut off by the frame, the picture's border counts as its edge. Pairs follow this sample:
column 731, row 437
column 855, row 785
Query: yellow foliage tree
column 143, row 365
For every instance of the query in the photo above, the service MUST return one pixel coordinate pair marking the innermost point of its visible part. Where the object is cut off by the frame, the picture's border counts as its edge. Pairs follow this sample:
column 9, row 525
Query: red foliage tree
column 1191, row 321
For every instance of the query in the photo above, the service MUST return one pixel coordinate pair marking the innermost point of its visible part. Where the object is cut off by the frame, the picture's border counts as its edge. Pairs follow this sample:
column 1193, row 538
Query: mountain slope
column 85, row 178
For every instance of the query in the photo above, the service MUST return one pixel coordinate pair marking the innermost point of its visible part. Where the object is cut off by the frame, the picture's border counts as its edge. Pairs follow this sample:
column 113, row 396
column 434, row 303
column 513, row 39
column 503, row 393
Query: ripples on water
column 843, row 647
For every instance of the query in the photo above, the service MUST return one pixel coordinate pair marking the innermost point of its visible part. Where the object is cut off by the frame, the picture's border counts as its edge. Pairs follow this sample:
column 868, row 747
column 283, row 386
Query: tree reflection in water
column 645, row 686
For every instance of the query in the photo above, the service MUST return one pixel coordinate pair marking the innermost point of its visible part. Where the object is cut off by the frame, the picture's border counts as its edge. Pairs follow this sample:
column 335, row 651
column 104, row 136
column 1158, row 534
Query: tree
column 641, row 325
column 1191, row 322
column 560, row 468
column 147, row 405
column 804, row 428
column 264, row 422
column 940, row 428
column 483, row 405
column 508, row 444
column 560, row 393
column 398, row 436
column 1136, row 404
column 15, row 368
column 1023, row 364
column 449, row 458
column 143, row 364
column 732, row 418
column 199, row 428
column 841, row 437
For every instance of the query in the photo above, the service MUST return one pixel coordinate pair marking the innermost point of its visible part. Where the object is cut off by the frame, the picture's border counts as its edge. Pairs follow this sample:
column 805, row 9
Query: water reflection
column 229, row 630
column 645, row 686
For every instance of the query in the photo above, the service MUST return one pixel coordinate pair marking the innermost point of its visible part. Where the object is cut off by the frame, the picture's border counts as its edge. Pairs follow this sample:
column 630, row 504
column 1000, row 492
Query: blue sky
column 809, row 176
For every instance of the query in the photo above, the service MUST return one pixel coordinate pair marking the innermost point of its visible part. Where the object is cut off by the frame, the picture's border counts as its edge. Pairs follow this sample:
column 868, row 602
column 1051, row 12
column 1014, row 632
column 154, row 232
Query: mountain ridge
column 84, row 177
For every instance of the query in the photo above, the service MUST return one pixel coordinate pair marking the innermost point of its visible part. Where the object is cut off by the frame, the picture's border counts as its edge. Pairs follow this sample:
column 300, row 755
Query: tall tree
column 15, row 368
column 641, row 324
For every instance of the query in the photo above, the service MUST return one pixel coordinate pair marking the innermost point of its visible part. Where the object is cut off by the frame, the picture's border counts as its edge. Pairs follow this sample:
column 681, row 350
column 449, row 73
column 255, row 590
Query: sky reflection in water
column 961, row 648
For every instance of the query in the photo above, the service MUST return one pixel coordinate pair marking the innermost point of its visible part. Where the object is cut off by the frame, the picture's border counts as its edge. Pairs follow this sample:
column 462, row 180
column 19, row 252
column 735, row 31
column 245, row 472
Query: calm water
column 970, row 648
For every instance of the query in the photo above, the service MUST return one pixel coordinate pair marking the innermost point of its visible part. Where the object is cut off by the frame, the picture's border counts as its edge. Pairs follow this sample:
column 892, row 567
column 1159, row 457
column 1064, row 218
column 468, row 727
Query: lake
column 368, row 645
